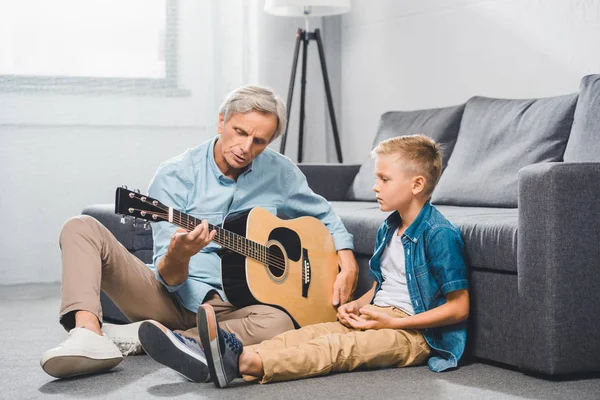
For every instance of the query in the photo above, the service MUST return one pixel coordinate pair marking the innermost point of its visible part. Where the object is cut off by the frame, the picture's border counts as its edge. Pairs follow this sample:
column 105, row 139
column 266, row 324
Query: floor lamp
column 306, row 9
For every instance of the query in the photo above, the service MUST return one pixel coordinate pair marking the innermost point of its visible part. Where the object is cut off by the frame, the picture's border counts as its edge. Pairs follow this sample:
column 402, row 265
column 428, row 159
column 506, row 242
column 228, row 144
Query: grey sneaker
column 180, row 353
column 222, row 349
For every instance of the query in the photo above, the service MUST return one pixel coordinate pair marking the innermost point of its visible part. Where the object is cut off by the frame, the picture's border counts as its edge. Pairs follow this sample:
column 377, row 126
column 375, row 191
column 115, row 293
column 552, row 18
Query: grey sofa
column 522, row 183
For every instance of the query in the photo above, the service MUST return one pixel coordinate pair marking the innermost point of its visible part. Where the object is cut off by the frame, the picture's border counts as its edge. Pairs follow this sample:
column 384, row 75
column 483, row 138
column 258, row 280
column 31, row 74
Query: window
column 74, row 45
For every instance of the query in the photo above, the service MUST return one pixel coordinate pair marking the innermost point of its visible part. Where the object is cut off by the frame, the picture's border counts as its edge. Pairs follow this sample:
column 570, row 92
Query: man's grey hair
column 255, row 98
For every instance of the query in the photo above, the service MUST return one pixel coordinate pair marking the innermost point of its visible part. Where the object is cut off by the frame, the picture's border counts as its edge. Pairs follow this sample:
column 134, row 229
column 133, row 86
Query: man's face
column 243, row 138
column 394, row 184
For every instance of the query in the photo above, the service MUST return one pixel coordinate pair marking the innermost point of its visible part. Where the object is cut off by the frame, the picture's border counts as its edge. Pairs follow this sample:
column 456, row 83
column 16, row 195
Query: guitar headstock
column 133, row 204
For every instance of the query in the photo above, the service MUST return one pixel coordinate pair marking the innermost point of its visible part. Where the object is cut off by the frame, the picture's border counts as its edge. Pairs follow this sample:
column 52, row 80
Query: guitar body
column 289, row 264
column 301, row 267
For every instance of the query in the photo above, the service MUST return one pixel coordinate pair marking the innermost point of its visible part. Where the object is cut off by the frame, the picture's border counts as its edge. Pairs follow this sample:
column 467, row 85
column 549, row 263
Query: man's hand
column 345, row 310
column 173, row 267
column 346, row 280
column 186, row 244
column 370, row 319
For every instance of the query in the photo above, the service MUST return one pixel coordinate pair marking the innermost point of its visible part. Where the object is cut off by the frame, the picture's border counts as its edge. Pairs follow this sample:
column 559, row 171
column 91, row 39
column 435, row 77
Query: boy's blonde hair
column 420, row 154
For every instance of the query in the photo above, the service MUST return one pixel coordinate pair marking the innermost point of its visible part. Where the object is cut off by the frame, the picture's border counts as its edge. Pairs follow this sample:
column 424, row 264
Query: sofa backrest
column 497, row 138
column 584, row 141
column 441, row 124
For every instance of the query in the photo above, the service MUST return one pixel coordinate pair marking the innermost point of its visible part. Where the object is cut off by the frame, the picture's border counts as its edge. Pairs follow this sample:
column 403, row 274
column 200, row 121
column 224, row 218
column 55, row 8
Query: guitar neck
column 225, row 238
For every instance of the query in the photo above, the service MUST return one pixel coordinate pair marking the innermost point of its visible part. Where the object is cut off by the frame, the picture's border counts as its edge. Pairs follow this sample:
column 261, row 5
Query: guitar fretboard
column 225, row 238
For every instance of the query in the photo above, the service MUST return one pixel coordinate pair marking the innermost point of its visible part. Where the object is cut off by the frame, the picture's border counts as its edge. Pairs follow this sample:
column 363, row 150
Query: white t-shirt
column 394, row 291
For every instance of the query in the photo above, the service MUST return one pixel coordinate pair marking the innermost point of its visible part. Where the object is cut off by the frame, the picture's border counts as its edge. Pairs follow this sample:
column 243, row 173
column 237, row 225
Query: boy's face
column 395, row 186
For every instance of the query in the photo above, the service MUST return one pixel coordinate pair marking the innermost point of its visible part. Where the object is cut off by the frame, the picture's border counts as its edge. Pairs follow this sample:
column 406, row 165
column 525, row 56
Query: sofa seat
column 490, row 234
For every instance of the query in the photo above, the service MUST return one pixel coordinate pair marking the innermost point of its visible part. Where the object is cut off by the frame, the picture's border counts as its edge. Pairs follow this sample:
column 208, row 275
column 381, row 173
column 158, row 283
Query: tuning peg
column 135, row 224
column 146, row 226
column 124, row 187
column 123, row 221
column 137, row 190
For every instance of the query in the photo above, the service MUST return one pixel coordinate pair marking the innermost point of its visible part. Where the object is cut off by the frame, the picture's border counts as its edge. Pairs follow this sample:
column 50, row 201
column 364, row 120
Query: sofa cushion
column 497, row 138
column 441, row 124
column 583, row 142
column 490, row 234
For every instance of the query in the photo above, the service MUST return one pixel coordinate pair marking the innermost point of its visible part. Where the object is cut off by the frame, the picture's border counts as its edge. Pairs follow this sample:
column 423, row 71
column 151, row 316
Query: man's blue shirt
column 193, row 183
column 435, row 266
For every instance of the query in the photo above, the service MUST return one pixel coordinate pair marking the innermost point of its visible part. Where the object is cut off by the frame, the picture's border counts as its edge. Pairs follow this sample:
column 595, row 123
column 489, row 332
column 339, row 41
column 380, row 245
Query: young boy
column 414, row 313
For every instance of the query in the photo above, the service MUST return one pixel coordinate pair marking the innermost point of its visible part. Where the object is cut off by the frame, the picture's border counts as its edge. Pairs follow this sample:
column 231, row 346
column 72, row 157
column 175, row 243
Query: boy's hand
column 373, row 320
column 344, row 310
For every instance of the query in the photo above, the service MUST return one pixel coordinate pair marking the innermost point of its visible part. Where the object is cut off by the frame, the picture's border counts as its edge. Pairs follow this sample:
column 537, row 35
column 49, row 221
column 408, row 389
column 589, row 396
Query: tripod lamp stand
column 306, row 9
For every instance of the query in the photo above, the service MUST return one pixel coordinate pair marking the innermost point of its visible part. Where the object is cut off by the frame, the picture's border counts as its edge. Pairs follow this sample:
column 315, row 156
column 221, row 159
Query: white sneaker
column 83, row 352
column 125, row 337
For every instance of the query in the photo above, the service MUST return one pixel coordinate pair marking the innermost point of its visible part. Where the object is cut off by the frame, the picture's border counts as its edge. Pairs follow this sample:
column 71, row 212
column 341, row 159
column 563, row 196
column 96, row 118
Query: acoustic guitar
column 290, row 264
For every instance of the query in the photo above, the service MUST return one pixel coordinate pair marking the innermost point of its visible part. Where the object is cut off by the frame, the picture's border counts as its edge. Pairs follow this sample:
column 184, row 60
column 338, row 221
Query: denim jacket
column 435, row 266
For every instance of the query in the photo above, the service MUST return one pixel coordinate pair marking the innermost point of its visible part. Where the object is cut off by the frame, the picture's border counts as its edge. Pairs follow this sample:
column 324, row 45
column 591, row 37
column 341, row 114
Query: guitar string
column 278, row 262
column 269, row 259
column 190, row 227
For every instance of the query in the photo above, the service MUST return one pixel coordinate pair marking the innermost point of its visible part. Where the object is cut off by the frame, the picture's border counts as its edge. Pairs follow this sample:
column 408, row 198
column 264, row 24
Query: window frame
column 167, row 86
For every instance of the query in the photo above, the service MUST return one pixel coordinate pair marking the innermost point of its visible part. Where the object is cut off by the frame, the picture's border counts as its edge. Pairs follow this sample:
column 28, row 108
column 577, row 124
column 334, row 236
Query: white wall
column 274, row 45
column 51, row 173
column 267, row 44
column 62, row 152
column 59, row 153
column 406, row 55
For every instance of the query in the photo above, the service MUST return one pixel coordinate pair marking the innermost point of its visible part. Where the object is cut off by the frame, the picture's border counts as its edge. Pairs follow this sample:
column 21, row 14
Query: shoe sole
column 68, row 366
column 167, row 352
column 207, row 329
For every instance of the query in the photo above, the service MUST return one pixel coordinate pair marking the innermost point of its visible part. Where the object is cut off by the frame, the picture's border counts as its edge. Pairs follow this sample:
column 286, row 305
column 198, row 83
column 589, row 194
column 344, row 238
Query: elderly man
column 233, row 171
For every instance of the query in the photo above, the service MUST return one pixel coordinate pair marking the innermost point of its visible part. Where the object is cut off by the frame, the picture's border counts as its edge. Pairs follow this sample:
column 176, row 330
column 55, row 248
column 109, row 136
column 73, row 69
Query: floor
column 29, row 327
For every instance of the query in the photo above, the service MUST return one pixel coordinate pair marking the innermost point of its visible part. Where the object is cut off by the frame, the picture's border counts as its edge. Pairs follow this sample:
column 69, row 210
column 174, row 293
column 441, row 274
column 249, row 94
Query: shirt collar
column 415, row 229
column 213, row 163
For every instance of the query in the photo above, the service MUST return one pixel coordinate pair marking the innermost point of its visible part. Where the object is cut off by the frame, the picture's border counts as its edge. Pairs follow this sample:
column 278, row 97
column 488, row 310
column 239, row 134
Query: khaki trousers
column 331, row 347
column 93, row 260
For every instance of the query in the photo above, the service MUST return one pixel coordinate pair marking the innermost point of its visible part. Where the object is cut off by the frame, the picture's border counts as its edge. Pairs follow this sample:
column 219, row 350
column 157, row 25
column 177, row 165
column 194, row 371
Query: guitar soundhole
column 276, row 261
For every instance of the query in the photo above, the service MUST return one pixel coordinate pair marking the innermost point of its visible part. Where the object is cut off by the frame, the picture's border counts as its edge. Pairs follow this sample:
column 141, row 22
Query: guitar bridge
column 305, row 273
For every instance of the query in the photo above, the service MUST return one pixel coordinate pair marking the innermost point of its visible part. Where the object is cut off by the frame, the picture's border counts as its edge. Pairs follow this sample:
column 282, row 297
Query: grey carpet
column 29, row 327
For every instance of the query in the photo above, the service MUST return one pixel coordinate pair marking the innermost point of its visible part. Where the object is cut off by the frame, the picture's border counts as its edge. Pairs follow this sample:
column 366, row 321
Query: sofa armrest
column 559, row 267
column 331, row 181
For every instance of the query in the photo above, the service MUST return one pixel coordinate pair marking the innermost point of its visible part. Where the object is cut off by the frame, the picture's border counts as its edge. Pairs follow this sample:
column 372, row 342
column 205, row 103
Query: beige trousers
column 93, row 260
column 331, row 347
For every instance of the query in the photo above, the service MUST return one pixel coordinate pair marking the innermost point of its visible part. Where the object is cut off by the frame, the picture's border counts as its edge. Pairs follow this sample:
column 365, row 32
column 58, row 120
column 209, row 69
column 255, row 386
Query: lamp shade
column 300, row 8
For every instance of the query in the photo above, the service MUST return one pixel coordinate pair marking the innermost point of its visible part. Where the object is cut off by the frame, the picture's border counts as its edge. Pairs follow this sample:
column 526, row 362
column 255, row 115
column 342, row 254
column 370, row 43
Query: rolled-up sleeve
column 170, row 187
column 302, row 201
